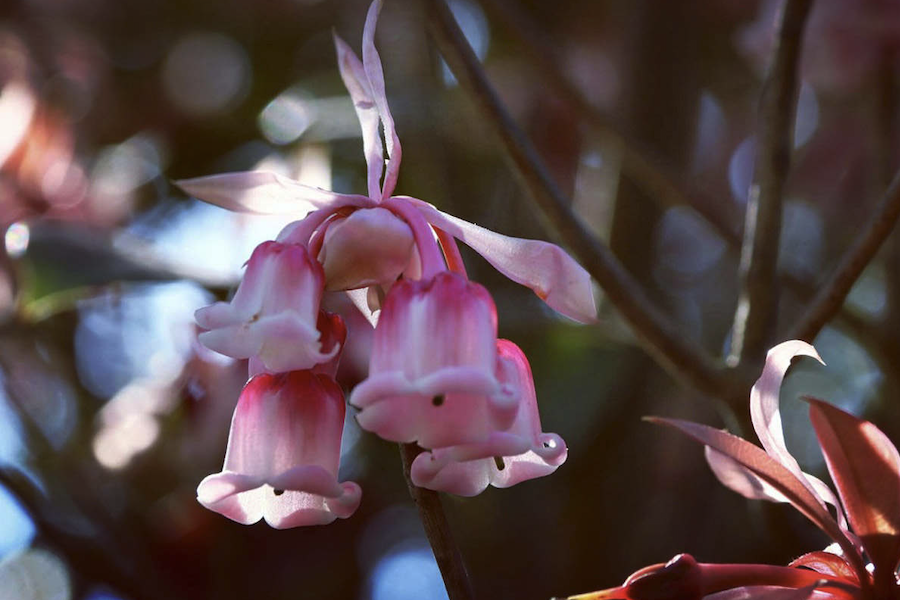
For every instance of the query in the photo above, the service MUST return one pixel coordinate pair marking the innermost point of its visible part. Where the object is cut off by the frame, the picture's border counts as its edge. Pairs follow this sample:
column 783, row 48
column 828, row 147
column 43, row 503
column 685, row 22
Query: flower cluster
column 438, row 375
column 865, row 467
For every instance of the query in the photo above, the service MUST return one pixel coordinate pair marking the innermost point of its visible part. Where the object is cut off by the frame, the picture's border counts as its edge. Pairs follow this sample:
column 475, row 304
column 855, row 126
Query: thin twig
column 639, row 163
column 669, row 346
column 832, row 295
column 754, row 319
column 88, row 558
column 437, row 529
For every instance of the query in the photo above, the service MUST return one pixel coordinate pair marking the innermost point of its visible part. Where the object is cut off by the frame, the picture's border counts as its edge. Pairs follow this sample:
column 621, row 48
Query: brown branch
column 86, row 555
column 437, row 529
column 666, row 343
column 830, row 298
column 754, row 319
column 640, row 164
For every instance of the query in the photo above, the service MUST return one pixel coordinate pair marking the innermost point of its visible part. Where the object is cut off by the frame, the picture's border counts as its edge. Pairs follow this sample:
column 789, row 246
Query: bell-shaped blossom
column 273, row 314
column 380, row 240
column 283, row 451
column 865, row 468
column 507, row 457
column 369, row 247
column 333, row 334
column 432, row 374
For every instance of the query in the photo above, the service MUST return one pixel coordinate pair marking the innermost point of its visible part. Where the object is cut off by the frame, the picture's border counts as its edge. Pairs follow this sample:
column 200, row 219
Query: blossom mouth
column 305, row 495
column 453, row 406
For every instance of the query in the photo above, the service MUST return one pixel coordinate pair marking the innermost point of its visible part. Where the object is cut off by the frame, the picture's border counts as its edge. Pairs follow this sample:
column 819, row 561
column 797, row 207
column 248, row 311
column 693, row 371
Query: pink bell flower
column 380, row 238
column 283, row 451
column 432, row 374
column 507, row 457
column 369, row 247
column 333, row 334
column 273, row 314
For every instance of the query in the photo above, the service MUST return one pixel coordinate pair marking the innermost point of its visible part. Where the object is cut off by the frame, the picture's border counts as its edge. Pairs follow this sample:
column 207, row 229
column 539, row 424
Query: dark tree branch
column 437, row 529
column 669, row 346
column 639, row 163
column 754, row 319
column 832, row 295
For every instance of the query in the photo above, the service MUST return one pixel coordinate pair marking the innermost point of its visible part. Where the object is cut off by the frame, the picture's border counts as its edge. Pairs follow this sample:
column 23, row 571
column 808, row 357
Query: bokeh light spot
column 407, row 574
column 286, row 117
column 17, row 237
column 206, row 74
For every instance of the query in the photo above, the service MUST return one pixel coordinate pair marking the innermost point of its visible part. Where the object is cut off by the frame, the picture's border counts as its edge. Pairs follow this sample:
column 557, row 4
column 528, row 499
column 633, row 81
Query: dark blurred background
column 111, row 413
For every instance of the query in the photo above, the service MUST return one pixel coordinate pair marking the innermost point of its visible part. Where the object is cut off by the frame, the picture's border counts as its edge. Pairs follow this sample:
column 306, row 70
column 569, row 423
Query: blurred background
column 111, row 413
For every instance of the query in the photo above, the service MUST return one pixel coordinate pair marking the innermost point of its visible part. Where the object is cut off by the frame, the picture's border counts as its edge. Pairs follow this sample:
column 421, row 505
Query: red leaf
column 865, row 467
column 827, row 563
column 766, row 468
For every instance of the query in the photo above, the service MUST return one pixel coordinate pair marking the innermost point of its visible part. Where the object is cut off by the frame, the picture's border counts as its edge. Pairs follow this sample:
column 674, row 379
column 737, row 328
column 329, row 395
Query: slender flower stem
column 671, row 347
column 754, row 319
column 429, row 251
column 300, row 232
column 832, row 295
column 437, row 529
column 451, row 252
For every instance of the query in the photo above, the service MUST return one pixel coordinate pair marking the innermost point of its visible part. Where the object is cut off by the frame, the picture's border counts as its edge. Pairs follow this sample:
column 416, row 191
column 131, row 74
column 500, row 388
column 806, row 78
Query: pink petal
column 768, row 469
column 265, row 193
column 375, row 74
column 766, row 416
column 273, row 313
column 432, row 369
column 368, row 247
column 545, row 268
column 401, row 410
column 357, row 83
column 865, row 467
column 506, row 458
column 283, row 451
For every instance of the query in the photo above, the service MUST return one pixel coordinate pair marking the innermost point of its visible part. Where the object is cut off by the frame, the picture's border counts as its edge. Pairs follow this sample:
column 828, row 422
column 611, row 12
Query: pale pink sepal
column 262, row 192
column 274, row 312
column 544, row 267
column 283, row 452
column 372, row 65
column 368, row 247
column 523, row 451
column 357, row 83
column 432, row 368
column 765, row 415
column 333, row 335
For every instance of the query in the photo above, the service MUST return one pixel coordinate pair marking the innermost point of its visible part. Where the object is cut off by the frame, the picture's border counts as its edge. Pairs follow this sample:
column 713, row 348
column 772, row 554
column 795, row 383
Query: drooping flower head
column 274, row 312
column 862, row 462
column 508, row 456
column 283, row 451
column 432, row 373
column 436, row 375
